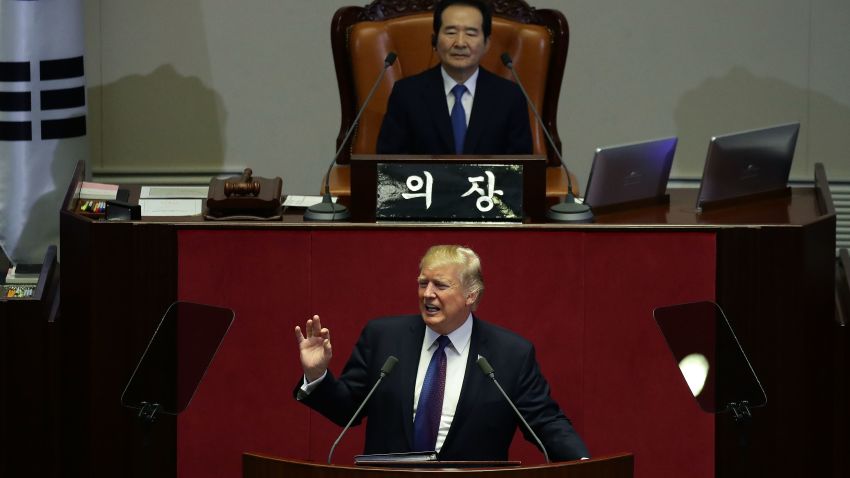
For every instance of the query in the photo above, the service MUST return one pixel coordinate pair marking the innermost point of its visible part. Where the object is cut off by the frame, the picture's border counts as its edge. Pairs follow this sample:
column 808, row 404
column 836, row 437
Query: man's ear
column 471, row 298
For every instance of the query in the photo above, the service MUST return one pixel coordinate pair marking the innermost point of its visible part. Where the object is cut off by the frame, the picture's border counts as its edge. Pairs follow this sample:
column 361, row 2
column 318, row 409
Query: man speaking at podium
column 437, row 398
column 457, row 107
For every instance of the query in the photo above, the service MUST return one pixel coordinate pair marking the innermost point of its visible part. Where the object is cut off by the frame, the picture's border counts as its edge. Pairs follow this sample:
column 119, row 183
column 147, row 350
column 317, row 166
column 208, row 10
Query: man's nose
column 461, row 40
column 430, row 291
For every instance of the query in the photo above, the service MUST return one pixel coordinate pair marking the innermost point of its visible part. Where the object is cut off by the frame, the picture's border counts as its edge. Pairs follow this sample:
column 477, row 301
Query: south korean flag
column 42, row 119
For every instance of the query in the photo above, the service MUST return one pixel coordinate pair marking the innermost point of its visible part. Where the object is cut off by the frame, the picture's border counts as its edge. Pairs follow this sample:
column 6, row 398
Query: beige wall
column 196, row 86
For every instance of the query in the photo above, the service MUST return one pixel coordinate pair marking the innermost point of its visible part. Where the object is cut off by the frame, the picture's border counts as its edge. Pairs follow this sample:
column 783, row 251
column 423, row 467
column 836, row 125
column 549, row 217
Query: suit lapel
column 473, row 383
column 435, row 101
column 409, row 363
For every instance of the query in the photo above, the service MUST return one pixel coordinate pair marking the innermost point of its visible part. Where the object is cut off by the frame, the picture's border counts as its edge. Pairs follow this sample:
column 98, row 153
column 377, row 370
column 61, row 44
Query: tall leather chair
column 361, row 37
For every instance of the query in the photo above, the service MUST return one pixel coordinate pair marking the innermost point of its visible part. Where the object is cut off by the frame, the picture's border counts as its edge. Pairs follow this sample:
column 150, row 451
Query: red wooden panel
column 635, row 398
column 244, row 402
column 584, row 299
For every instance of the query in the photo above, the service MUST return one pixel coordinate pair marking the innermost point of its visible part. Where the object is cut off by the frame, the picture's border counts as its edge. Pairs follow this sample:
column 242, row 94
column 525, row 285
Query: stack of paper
column 98, row 191
column 23, row 274
column 408, row 457
column 172, row 200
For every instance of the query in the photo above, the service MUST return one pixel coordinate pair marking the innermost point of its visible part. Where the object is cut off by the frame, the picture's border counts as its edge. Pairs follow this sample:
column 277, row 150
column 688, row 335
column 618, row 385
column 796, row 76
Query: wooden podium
column 614, row 466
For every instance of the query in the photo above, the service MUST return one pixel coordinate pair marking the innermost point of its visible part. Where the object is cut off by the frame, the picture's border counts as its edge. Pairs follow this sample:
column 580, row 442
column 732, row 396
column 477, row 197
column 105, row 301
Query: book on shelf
column 409, row 457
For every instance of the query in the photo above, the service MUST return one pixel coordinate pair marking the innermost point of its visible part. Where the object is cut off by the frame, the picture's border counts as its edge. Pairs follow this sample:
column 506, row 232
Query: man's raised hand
column 315, row 348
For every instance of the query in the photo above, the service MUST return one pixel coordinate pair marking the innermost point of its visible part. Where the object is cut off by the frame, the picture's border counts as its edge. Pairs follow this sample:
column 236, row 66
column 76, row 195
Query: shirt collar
column 459, row 338
column 449, row 82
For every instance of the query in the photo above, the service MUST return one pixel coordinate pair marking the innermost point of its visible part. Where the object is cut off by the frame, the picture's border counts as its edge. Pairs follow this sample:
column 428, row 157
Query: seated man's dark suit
column 418, row 122
column 483, row 425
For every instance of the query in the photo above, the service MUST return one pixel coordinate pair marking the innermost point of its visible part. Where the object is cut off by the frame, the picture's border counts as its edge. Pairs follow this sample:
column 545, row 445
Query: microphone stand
column 385, row 370
column 485, row 367
column 327, row 210
column 567, row 210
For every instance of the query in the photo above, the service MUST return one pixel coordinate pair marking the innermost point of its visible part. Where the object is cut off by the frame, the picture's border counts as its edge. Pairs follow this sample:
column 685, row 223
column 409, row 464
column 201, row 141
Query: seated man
column 424, row 115
column 437, row 398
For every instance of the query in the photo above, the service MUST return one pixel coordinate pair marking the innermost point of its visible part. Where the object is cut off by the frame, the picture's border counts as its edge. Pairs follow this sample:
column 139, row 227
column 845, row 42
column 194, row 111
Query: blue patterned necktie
column 459, row 118
column 430, row 407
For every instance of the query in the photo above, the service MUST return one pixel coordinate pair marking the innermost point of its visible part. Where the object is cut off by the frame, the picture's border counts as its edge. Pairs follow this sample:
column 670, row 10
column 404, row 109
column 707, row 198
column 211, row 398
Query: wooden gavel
column 246, row 186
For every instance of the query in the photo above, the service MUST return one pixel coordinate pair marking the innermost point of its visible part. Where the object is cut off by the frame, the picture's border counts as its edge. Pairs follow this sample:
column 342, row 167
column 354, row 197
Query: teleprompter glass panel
column 177, row 357
column 709, row 356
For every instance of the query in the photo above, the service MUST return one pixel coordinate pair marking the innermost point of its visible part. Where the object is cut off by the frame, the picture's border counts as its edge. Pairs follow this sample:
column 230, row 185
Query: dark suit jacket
column 418, row 122
column 484, row 424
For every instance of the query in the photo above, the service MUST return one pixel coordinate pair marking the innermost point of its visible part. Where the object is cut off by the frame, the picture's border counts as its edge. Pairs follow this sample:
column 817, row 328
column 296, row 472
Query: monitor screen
column 747, row 163
column 630, row 173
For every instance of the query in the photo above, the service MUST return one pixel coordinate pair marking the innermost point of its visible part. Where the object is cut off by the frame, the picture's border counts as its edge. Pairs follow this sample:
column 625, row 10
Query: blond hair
column 471, row 277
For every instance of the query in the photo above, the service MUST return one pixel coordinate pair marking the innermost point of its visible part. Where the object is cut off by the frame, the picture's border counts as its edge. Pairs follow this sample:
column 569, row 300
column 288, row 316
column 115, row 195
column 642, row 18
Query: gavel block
column 245, row 197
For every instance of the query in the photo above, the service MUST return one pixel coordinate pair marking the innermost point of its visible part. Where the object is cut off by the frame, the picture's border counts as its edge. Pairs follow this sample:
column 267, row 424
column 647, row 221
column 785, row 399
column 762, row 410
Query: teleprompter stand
column 713, row 364
column 178, row 354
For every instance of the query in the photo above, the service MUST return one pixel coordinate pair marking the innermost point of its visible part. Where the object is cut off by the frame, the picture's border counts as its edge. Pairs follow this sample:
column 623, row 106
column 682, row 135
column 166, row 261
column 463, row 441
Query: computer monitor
column 630, row 173
column 747, row 163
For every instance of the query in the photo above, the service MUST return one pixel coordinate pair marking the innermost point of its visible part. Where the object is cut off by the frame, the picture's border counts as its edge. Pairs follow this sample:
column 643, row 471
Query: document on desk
column 174, row 192
column 293, row 200
column 171, row 207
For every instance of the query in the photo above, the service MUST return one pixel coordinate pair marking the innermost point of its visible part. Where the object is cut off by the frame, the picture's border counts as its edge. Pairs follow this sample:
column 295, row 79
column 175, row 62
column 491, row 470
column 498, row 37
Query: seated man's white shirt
column 468, row 96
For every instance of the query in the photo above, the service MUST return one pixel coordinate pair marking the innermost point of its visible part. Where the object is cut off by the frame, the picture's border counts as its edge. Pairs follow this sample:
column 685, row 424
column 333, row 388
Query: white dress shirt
column 456, row 357
column 468, row 95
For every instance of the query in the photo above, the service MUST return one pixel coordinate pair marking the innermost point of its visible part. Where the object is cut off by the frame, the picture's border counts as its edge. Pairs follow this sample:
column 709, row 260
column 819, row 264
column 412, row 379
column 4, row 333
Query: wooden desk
column 583, row 294
column 29, row 392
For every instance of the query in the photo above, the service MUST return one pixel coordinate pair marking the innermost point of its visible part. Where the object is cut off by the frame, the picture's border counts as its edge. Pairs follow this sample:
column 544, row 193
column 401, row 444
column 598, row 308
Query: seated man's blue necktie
column 459, row 118
column 430, row 406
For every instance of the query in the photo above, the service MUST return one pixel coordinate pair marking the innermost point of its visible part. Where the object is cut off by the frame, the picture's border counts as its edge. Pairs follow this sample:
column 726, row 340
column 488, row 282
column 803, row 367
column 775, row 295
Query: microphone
column 567, row 210
column 327, row 210
column 485, row 367
column 385, row 370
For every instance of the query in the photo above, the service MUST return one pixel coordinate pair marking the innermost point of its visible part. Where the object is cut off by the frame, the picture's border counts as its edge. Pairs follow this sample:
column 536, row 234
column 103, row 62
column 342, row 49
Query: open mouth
column 431, row 309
